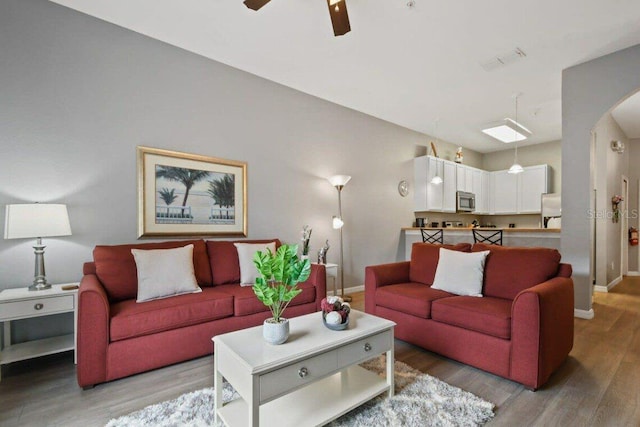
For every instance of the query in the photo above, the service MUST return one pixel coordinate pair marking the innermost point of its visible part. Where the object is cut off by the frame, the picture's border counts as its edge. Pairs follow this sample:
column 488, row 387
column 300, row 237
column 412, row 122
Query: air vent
column 503, row 60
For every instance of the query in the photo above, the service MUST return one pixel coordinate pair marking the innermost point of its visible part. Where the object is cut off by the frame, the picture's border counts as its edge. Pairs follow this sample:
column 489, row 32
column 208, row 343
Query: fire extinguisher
column 633, row 236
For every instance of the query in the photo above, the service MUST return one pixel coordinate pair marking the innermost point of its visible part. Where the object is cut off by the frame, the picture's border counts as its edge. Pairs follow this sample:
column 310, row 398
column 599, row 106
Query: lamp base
column 40, row 287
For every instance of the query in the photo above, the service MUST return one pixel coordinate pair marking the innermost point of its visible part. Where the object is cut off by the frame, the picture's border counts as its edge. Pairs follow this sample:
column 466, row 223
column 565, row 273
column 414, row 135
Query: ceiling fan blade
column 339, row 17
column 255, row 4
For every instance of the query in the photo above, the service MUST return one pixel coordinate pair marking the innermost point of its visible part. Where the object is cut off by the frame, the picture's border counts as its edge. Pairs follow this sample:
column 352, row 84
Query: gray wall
column 79, row 94
column 589, row 91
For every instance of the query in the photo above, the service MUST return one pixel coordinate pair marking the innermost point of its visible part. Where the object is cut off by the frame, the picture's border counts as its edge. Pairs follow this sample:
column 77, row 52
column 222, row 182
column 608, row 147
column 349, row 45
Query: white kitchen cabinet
column 434, row 197
column 449, row 187
column 478, row 184
column 533, row 182
column 518, row 194
column 505, row 193
column 464, row 178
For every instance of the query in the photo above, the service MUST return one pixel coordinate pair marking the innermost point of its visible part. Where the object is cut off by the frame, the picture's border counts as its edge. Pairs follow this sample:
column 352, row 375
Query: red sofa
column 521, row 329
column 118, row 337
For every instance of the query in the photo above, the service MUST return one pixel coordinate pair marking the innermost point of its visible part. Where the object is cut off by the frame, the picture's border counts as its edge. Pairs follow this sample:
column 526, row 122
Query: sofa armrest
column 541, row 330
column 93, row 331
column 376, row 276
column 318, row 278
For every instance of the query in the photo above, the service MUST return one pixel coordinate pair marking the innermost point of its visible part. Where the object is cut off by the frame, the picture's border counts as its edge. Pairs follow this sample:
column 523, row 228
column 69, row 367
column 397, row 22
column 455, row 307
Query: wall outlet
column 611, row 266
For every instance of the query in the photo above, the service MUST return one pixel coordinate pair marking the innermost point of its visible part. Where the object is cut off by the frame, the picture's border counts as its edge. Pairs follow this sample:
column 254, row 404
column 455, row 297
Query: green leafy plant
column 280, row 274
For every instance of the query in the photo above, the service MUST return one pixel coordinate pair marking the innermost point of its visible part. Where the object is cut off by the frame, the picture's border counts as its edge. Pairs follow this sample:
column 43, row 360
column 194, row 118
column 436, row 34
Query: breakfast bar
column 538, row 237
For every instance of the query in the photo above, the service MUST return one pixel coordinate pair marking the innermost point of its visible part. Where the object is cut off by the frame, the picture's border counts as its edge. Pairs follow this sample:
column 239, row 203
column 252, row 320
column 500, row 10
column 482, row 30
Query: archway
column 589, row 90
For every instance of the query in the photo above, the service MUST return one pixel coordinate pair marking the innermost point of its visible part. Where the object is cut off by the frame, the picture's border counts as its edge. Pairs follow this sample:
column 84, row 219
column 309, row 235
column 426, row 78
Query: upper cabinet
column 533, row 183
column 518, row 194
column 496, row 192
column 434, row 197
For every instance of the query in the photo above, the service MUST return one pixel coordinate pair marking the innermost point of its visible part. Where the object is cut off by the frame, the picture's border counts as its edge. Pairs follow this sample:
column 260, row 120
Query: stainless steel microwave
column 465, row 202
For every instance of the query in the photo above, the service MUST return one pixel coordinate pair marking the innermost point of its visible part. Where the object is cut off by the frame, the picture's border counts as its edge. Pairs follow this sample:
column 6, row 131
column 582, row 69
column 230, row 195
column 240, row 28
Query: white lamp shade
column 337, row 223
column 339, row 180
column 436, row 180
column 36, row 220
column 515, row 169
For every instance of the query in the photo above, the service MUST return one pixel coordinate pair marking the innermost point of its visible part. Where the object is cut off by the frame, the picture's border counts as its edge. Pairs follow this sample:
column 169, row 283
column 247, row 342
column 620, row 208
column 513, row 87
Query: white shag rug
column 420, row 400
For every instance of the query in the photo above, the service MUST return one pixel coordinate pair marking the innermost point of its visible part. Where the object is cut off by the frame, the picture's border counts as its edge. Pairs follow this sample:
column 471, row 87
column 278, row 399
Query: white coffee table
column 311, row 379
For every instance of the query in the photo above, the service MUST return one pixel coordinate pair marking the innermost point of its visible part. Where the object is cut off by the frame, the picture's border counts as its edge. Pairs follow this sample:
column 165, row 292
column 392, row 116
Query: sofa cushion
column 164, row 273
column 245, row 302
column 424, row 260
column 130, row 319
column 223, row 258
column 116, row 267
column 460, row 273
column 411, row 298
column 246, row 252
column 491, row 316
column 509, row 270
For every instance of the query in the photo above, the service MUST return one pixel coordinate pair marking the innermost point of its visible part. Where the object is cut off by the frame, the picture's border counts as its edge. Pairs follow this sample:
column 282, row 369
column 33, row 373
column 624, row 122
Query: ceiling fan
column 337, row 11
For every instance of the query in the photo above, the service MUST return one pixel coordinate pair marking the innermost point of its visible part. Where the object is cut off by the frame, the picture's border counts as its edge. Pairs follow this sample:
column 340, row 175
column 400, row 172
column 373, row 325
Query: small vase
column 275, row 333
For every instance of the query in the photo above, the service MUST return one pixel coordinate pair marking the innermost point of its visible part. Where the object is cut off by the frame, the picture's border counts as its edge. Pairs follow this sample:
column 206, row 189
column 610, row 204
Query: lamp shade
column 36, row 220
column 515, row 169
column 339, row 180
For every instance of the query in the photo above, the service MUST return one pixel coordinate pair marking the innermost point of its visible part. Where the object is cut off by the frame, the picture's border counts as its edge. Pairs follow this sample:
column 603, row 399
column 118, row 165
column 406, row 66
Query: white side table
column 332, row 272
column 20, row 303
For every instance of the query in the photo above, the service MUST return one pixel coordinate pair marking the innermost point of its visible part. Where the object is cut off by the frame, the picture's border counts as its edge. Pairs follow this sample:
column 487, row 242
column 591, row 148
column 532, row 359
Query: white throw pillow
column 248, row 270
column 460, row 273
column 164, row 273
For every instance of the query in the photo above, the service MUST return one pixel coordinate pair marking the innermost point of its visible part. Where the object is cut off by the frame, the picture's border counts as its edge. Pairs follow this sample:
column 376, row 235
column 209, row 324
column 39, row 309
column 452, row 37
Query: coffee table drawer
column 296, row 375
column 365, row 348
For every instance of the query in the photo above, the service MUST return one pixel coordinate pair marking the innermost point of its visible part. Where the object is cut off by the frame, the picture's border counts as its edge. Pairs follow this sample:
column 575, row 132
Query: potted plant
column 280, row 274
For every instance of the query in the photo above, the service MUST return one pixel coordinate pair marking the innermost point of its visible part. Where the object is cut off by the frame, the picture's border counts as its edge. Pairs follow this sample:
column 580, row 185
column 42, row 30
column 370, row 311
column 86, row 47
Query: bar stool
column 492, row 237
column 432, row 236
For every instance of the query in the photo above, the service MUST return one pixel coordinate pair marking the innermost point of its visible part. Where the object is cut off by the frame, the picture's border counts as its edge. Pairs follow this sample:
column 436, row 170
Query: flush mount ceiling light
column 507, row 131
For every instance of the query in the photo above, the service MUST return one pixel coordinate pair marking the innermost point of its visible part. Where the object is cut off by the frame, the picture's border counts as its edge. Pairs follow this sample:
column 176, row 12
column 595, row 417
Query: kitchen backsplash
column 500, row 221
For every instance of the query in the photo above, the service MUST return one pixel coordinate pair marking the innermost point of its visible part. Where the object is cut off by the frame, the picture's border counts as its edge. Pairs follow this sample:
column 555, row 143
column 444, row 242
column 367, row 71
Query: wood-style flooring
column 599, row 385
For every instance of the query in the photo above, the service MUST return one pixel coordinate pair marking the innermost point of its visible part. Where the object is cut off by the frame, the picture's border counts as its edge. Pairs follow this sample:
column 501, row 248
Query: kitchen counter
column 505, row 230
column 532, row 237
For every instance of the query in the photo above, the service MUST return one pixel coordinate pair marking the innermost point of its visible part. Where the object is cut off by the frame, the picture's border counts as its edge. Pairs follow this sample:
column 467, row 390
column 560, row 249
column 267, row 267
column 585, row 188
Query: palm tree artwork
column 187, row 177
column 168, row 197
column 222, row 191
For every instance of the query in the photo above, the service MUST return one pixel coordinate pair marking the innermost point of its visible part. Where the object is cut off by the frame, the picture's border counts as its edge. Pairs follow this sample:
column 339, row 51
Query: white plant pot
column 275, row 333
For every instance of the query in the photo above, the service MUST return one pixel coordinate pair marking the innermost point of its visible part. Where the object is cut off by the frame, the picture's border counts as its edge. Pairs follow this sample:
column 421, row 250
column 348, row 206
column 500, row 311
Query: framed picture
column 182, row 194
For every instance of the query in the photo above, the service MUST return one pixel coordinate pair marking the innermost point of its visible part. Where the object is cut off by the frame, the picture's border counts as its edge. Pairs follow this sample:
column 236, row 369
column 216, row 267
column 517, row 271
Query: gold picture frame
column 181, row 194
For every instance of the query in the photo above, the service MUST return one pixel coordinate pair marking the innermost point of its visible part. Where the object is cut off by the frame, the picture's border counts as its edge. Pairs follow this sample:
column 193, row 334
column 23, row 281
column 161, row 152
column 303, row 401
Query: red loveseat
column 521, row 329
column 118, row 337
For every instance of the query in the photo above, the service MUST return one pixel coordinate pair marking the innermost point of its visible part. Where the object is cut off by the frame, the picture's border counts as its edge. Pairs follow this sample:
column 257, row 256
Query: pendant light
column 516, row 168
column 437, row 179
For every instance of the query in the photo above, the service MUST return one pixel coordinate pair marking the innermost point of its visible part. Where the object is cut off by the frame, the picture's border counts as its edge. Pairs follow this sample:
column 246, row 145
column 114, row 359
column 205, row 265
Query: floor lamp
column 339, row 181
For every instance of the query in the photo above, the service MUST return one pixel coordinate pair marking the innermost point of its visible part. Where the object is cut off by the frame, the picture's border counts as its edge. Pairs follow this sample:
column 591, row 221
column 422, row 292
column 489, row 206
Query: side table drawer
column 296, row 375
column 364, row 348
column 36, row 307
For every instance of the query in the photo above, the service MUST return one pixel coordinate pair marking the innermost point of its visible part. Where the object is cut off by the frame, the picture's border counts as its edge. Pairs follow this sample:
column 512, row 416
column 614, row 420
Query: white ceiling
column 408, row 65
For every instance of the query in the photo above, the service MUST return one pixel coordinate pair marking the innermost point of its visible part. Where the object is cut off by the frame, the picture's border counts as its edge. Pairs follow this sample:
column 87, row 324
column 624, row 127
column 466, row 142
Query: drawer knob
column 38, row 306
column 367, row 347
column 303, row 372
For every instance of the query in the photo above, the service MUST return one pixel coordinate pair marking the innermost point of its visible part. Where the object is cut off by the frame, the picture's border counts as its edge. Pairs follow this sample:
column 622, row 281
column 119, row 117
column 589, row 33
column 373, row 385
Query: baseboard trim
column 348, row 291
column 583, row 314
column 614, row 282
column 633, row 273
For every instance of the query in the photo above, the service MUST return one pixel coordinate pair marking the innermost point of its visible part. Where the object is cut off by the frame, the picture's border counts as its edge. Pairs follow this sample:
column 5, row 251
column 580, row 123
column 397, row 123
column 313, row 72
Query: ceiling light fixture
column 437, row 179
column 508, row 131
column 516, row 168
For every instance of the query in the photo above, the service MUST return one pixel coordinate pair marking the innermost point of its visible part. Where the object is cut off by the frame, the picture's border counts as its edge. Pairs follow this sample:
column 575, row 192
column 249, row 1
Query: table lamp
column 24, row 221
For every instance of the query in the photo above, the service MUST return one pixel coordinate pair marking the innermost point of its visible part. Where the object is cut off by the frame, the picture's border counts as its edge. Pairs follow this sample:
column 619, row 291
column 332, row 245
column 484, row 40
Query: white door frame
column 624, row 228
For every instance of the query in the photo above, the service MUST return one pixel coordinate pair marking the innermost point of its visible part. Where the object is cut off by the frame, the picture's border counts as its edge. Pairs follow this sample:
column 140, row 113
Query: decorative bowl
column 338, row 327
